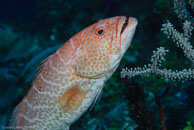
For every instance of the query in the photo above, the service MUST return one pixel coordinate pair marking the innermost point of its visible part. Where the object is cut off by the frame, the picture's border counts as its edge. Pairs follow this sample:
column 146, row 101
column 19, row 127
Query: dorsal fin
column 14, row 118
column 42, row 64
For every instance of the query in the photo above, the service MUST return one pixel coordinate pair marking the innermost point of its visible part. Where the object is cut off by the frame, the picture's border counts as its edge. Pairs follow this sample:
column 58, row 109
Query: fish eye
column 99, row 31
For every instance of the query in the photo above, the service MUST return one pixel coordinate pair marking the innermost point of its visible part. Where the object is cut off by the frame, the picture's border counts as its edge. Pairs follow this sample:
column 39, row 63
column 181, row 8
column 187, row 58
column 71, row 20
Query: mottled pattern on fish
column 69, row 80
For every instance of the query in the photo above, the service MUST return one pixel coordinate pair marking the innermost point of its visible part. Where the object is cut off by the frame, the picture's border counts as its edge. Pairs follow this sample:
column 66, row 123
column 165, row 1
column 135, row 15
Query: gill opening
column 111, row 42
column 118, row 45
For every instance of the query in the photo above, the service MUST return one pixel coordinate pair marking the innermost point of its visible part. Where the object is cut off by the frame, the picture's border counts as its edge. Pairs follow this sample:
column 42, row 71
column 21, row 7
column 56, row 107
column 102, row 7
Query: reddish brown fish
column 70, row 80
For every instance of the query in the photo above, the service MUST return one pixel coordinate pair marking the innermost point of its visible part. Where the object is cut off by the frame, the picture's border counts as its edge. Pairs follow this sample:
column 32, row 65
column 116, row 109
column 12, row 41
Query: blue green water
column 31, row 30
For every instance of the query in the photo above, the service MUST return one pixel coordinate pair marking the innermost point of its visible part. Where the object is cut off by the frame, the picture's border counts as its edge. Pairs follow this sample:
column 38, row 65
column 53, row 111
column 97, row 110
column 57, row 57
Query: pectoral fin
column 72, row 98
column 96, row 99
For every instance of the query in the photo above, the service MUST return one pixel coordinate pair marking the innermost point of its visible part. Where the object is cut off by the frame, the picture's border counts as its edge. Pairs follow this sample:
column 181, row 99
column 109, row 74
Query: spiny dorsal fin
column 42, row 64
column 14, row 118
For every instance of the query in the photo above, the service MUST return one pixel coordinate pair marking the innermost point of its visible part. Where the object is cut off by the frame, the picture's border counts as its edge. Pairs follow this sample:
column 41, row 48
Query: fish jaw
column 127, row 34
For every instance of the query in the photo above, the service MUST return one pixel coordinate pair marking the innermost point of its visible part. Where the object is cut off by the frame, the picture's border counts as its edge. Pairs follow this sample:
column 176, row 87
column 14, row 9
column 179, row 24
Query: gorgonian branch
column 157, row 58
column 182, row 12
column 181, row 39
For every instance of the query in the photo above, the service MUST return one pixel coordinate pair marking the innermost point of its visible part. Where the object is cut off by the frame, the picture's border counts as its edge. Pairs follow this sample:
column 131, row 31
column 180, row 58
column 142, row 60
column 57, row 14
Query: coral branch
column 145, row 71
column 140, row 112
column 180, row 39
column 182, row 12
column 158, row 102
column 156, row 60
column 184, row 74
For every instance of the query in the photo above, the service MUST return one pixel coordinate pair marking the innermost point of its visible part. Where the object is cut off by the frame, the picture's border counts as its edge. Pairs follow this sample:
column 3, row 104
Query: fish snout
column 132, row 21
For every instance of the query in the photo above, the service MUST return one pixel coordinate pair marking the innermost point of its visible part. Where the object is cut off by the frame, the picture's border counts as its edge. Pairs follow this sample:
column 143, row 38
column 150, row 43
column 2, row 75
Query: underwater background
column 31, row 30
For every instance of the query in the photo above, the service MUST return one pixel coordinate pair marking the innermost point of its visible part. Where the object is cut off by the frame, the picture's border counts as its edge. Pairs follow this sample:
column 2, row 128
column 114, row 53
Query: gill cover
column 91, row 62
column 97, row 48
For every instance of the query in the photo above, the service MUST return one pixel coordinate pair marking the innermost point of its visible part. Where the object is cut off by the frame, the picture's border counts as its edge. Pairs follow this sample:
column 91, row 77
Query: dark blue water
column 14, row 9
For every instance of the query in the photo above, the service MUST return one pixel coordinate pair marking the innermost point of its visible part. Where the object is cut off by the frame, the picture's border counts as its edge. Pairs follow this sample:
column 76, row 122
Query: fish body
column 70, row 80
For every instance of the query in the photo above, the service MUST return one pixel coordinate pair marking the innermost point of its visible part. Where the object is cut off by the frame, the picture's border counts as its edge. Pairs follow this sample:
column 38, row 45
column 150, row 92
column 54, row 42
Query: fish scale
column 71, row 79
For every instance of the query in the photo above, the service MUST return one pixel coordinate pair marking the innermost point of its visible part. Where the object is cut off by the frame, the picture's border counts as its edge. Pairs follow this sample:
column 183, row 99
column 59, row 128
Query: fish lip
column 124, row 33
column 124, row 26
column 127, row 34
column 120, row 24
column 128, row 23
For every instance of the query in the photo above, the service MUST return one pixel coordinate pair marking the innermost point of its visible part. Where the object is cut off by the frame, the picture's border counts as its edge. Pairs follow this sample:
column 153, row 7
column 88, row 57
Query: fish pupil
column 100, row 31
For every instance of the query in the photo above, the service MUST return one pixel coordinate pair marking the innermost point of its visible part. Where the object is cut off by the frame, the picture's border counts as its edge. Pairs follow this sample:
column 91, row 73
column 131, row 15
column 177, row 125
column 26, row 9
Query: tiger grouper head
column 102, row 45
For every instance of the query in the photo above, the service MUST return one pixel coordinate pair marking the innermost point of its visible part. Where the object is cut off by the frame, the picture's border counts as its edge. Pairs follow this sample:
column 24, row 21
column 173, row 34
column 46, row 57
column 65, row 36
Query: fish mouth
column 127, row 24
column 124, row 26
column 127, row 29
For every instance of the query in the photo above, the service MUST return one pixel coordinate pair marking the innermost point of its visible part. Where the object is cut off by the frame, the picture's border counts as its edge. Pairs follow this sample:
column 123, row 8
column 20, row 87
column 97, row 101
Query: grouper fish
column 71, row 79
